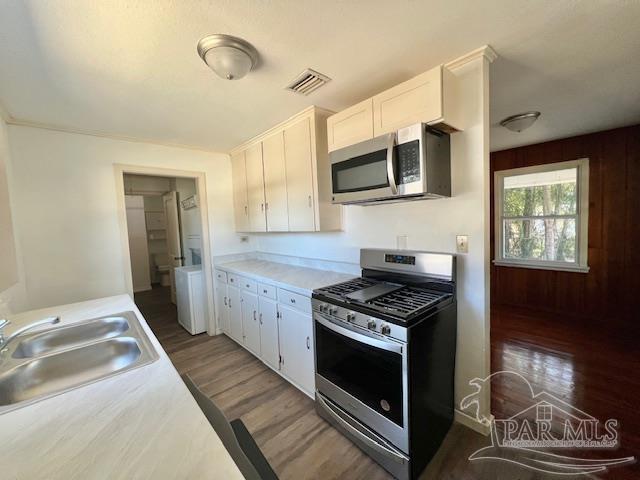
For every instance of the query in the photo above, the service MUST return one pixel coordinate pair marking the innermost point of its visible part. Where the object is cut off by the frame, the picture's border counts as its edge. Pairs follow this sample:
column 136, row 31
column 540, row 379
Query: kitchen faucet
column 4, row 341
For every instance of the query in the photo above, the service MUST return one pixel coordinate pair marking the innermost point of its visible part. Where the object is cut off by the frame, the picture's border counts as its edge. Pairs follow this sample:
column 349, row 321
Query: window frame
column 582, row 217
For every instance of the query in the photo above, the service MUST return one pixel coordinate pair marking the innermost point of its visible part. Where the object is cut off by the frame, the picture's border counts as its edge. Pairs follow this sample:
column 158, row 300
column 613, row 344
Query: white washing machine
column 190, row 299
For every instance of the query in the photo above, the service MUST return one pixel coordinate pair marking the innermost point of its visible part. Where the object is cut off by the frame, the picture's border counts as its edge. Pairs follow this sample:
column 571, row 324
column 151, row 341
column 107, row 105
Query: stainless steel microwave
column 412, row 163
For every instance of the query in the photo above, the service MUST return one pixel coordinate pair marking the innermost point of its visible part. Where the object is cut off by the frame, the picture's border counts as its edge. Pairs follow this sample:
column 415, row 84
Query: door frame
column 201, row 190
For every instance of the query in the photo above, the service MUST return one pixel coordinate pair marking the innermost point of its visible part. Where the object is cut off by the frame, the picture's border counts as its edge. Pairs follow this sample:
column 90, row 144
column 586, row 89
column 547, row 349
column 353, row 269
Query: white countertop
column 302, row 280
column 141, row 424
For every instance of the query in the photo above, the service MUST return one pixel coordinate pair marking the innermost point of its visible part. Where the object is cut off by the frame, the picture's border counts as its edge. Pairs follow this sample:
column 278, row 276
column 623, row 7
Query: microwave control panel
column 408, row 155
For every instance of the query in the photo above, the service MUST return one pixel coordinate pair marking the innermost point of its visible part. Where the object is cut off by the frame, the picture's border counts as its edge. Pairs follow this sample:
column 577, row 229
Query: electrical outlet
column 462, row 244
column 244, row 239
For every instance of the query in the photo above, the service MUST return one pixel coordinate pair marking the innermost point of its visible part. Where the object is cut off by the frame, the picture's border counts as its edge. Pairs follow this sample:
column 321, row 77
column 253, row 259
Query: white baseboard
column 472, row 423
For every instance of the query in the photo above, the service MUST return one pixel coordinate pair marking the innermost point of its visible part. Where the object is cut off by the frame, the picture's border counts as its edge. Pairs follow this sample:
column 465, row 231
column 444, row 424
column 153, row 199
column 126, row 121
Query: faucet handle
column 3, row 323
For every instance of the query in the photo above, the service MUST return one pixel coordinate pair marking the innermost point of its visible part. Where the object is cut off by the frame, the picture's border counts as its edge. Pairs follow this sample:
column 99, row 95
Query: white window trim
column 582, row 217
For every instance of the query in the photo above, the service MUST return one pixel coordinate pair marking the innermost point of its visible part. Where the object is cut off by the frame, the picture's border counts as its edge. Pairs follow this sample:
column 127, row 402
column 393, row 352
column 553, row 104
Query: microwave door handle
column 391, row 174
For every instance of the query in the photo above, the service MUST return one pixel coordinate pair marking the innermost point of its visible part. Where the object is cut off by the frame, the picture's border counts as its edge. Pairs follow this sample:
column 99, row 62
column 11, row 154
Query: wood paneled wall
column 610, row 292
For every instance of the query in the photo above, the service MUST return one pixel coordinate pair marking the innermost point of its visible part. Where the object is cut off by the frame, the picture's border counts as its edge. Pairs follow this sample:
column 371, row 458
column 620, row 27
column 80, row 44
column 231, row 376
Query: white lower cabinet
column 269, row 348
column 250, row 323
column 296, row 347
column 279, row 332
column 235, row 313
column 222, row 308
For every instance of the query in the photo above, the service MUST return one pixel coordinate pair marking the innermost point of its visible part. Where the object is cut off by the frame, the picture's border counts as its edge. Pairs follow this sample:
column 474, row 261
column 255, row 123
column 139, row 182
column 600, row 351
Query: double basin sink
column 49, row 362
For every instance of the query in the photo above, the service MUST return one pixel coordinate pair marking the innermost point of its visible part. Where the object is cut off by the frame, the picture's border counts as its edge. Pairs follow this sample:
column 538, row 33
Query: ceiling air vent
column 307, row 82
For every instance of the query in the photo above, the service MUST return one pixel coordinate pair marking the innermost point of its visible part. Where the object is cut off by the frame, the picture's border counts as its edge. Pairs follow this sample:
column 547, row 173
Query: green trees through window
column 540, row 216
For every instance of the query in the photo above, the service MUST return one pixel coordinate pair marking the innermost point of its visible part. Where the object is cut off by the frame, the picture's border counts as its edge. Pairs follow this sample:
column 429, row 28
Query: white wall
column 431, row 225
column 65, row 209
column 12, row 294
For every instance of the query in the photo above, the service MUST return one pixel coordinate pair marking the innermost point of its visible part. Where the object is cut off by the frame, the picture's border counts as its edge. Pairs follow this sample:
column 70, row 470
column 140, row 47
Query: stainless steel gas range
column 385, row 348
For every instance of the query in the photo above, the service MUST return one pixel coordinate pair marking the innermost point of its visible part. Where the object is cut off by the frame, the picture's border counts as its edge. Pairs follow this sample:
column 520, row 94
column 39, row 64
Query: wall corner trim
column 485, row 51
column 4, row 114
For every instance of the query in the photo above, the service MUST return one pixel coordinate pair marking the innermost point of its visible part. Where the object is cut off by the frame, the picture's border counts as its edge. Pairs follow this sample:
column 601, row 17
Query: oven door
column 366, row 375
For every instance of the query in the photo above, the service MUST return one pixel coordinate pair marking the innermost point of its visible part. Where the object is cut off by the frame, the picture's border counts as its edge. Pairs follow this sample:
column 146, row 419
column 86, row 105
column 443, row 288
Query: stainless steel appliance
column 385, row 352
column 412, row 163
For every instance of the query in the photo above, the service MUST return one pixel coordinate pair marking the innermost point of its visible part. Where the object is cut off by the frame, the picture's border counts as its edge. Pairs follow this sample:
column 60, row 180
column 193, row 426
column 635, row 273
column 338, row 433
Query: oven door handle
column 391, row 174
column 358, row 337
column 368, row 441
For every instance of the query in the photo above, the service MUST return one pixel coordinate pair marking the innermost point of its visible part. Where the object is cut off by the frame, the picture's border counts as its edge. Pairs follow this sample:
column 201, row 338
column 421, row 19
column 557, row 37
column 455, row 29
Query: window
column 542, row 216
column 544, row 412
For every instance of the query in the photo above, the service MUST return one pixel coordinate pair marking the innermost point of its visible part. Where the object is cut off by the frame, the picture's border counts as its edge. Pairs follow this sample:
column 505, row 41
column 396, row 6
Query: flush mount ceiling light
column 520, row 122
column 230, row 57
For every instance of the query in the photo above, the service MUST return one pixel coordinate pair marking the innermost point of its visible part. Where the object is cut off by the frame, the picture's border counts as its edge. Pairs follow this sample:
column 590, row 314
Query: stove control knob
column 333, row 310
column 385, row 330
column 351, row 317
column 371, row 325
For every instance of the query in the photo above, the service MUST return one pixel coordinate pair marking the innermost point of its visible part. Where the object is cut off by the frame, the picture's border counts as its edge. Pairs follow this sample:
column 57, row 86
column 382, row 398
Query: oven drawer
column 294, row 300
column 268, row 291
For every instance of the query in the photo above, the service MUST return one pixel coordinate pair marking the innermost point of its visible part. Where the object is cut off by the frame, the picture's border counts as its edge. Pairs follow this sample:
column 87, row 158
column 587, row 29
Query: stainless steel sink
column 63, row 338
column 57, row 360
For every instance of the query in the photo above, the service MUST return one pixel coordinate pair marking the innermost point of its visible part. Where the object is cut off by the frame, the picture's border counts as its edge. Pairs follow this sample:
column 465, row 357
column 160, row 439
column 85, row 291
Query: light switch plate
column 462, row 244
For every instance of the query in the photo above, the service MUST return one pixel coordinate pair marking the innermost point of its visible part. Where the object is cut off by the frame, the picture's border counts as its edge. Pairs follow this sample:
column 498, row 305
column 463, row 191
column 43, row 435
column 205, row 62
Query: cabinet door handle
column 264, row 291
column 261, row 319
column 246, row 210
column 229, row 302
column 309, row 201
column 254, row 315
column 293, row 300
column 225, row 301
column 266, row 206
column 262, row 207
column 308, row 345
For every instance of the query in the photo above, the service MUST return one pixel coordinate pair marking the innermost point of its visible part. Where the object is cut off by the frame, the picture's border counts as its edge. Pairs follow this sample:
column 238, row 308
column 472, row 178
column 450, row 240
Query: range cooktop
column 397, row 300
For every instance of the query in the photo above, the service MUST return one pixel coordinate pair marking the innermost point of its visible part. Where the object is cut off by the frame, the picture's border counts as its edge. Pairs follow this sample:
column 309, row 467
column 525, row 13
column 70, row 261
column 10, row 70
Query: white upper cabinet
column 275, row 183
column 288, row 178
column 240, row 201
column 353, row 125
column 427, row 98
column 299, row 167
column 255, row 188
column 430, row 97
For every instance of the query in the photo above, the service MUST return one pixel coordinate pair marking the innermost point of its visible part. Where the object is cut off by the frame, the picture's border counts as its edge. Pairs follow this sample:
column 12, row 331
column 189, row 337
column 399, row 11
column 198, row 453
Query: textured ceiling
column 130, row 68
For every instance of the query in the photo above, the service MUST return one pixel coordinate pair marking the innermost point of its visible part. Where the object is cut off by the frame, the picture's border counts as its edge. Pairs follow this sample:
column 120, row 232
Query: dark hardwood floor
column 297, row 443
column 583, row 363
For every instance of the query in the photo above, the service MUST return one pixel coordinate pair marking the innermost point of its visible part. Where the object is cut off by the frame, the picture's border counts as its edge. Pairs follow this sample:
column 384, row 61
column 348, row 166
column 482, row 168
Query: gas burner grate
column 406, row 301
column 344, row 288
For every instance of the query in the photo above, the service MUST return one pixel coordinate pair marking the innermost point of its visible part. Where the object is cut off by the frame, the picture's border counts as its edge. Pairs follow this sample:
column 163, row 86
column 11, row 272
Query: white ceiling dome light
column 520, row 122
column 230, row 57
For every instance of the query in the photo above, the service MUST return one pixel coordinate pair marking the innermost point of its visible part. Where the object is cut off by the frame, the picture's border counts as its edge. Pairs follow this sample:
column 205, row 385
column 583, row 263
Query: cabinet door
column 275, row 183
column 250, row 323
column 299, row 166
column 269, row 351
column 235, row 313
column 296, row 347
column 240, row 201
column 222, row 308
column 255, row 188
column 350, row 126
column 416, row 100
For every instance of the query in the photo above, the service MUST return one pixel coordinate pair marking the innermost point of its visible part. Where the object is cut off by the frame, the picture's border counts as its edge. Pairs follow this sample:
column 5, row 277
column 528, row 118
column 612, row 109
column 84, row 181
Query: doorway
column 164, row 230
